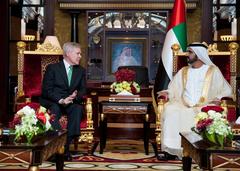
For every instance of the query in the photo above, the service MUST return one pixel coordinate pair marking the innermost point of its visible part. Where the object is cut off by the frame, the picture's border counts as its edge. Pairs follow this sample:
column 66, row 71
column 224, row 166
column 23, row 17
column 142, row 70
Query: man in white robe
column 194, row 86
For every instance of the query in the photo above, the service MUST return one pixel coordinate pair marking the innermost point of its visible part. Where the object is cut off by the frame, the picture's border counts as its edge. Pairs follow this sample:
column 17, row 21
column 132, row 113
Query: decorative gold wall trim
column 125, row 5
column 21, row 46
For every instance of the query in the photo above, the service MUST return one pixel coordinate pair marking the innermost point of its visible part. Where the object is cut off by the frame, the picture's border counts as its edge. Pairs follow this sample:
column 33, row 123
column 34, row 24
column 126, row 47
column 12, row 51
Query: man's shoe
column 170, row 156
column 166, row 156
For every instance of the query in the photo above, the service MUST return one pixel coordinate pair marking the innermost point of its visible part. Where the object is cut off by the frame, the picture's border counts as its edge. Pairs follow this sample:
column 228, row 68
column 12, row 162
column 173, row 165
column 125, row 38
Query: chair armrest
column 160, row 107
column 162, row 98
column 236, row 129
column 88, row 107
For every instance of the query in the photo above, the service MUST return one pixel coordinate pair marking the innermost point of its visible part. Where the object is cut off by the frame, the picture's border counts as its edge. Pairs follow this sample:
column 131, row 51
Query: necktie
column 69, row 74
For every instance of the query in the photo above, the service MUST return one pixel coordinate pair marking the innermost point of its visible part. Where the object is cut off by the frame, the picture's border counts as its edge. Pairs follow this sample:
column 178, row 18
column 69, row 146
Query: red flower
column 202, row 124
column 133, row 89
column 52, row 118
column 16, row 121
column 41, row 117
column 125, row 75
column 214, row 108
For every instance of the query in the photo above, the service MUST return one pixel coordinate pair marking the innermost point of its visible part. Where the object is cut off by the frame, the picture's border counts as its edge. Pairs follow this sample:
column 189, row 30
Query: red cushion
column 83, row 123
column 33, row 105
column 231, row 116
column 32, row 79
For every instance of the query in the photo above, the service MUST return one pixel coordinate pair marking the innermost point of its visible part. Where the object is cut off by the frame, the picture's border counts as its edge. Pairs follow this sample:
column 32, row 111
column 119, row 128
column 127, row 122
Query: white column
column 234, row 27
column 23, row 29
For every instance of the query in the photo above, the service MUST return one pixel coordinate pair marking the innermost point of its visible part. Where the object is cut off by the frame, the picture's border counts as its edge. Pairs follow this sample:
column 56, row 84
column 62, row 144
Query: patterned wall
column 63, row 27
column 194, row 26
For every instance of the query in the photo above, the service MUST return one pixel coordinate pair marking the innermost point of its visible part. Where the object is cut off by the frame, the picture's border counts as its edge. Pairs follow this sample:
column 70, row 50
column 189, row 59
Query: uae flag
column 176, row 33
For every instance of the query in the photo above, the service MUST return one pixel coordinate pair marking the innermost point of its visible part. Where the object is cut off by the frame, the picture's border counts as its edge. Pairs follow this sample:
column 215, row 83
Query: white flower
column 30, row 125
column 26, row 110
column 124, row 85
column 201, row 116
column 214, row 124
column 214, row 115
column 48, row 125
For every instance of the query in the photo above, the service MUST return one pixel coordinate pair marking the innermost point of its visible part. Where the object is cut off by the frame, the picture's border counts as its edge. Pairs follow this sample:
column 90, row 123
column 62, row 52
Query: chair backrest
column 141, row 74
column 225, row 60
column 32, row 66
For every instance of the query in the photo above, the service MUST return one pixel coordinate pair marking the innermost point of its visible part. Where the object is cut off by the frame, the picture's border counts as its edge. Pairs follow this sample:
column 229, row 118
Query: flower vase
column 125, row 93
column 24, row 139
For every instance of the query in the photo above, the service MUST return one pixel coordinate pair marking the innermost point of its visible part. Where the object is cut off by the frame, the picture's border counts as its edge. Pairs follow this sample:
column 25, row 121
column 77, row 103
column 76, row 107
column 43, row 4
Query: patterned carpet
column 119, row 155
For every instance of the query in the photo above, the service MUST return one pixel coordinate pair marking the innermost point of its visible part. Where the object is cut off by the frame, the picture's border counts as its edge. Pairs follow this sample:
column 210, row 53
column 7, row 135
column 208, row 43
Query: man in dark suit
column 63, row 88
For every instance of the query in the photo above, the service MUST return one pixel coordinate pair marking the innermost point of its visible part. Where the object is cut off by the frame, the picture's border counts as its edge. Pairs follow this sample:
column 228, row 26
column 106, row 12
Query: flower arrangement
column 29, row 123
column 125, row 82
column 211, row 124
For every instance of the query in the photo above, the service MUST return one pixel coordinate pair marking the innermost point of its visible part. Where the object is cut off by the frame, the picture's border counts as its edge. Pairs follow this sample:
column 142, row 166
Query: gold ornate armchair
column 31, row 68
column 227, row 63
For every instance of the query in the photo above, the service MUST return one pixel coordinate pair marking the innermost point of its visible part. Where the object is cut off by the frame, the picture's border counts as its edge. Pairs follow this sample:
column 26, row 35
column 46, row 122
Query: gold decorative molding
column 87, row 133
column 21, row 46
column 89, row 113
column 228, row 162
column 16, row 156
column 233, row 47
column 46, row 60
column 48, row 47
column 175, row 49
column 227, row 38
column 158, row 129
column 212, row 48
column 146, row 5
column 29, row 37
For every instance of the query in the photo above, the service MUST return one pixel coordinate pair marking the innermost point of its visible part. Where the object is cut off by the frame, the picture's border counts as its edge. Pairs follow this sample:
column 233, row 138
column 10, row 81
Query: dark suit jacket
column 55, row 84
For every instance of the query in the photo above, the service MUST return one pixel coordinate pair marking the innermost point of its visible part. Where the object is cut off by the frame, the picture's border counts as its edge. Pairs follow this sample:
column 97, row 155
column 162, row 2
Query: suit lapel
column 63, row 72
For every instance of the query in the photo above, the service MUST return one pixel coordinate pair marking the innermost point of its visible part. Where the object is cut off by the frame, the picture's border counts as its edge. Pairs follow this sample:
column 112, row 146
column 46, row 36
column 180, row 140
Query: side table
column 137, row 110
column 206, row 155
column 34, row 154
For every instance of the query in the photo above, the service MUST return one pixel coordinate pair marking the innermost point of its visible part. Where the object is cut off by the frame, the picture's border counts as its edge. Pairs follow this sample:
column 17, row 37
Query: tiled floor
column 105, row 166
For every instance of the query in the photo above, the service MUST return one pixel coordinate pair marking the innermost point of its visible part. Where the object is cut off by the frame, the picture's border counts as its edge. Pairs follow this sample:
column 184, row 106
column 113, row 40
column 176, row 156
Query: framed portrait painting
column 125, row 52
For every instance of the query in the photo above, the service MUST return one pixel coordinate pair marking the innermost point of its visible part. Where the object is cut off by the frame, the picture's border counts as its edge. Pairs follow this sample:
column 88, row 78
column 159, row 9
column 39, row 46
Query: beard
column 191, row 61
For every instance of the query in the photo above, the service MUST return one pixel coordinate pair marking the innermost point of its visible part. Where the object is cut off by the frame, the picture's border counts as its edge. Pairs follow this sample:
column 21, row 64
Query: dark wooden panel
column 49, row 17
column 206, row 23
column 4, row 64
column 128, row 133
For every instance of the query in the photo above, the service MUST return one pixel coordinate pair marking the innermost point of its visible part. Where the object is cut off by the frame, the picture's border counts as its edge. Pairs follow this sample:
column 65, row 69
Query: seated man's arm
column 163, row 94
column 221, row 85
column 48, row 86
column 82, row 88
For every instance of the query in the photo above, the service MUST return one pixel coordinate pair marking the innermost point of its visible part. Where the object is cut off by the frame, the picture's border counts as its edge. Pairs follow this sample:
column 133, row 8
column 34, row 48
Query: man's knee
column 55, row 109
column 76, row 108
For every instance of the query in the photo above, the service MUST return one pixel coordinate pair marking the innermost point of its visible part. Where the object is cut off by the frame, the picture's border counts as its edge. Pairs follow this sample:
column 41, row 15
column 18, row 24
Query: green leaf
column 211, row 137
column 220, row 139
column 230, row 137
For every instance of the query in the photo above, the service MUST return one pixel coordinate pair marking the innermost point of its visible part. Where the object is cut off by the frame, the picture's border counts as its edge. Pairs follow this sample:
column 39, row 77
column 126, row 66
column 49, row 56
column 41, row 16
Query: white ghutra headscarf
column 201, row 51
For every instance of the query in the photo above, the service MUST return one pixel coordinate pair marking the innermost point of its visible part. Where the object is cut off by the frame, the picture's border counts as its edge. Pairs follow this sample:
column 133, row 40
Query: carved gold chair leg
column 87, row 133
column 158, row 130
